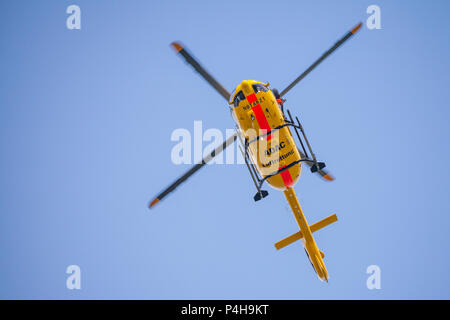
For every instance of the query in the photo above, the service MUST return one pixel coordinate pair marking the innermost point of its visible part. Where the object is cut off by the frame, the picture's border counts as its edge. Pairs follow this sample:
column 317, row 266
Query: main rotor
column 179, row 48
column 315, row 166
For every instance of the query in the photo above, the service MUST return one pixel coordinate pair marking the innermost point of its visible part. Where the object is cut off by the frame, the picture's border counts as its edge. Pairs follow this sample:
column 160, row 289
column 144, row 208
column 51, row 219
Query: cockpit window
column 238, row 98
column 260, row 87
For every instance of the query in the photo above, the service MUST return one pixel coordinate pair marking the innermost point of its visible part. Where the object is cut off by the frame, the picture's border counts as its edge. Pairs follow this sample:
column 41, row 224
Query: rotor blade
column 194, row 169
column 324, row 173
column 189, row 59
column 325, row 55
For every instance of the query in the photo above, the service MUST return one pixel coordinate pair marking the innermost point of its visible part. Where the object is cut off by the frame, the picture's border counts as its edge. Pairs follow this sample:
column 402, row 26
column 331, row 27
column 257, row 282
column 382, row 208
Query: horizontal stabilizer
column 298, row 235
column 323, row 223
column 287, row 241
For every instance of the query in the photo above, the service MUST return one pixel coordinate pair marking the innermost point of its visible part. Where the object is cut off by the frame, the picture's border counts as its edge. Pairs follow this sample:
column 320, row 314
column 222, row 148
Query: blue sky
column 87, row 115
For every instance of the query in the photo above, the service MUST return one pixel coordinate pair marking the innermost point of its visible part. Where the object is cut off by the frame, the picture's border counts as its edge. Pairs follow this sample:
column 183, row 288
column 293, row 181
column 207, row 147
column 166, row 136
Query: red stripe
column 264, row 125
column 251, row 98
column 259, row 114
column 261, row 118
column 287, row 178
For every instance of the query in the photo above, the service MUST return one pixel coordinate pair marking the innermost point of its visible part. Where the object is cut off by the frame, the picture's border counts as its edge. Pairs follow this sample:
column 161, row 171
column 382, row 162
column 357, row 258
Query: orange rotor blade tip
column 155, row 201
column 355, row 29
column 328, row 177
column 177, row 46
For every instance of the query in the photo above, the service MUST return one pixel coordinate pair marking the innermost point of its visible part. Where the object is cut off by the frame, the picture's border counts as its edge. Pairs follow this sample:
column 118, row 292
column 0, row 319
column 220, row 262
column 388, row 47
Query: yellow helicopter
column 268, row 147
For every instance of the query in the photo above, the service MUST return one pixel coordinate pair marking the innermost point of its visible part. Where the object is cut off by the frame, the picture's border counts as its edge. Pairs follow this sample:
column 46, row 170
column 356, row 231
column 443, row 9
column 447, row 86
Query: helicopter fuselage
column 260, row 121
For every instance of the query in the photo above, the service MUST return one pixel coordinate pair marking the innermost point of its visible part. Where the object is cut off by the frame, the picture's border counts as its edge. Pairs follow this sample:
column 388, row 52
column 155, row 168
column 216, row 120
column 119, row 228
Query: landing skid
column 260, row 194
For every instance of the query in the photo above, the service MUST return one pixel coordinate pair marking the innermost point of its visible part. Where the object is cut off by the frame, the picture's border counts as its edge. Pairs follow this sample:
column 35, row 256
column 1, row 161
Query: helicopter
column 264, row 129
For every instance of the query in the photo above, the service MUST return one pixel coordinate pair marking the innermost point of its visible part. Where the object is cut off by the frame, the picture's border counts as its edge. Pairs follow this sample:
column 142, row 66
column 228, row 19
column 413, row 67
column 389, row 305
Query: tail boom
column 314, row 254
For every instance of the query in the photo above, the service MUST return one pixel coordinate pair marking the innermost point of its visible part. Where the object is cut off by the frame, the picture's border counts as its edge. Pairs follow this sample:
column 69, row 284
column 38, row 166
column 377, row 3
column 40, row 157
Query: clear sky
column 85, row 123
